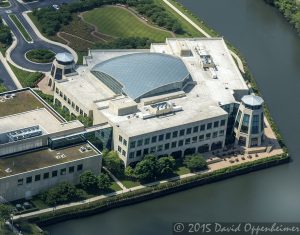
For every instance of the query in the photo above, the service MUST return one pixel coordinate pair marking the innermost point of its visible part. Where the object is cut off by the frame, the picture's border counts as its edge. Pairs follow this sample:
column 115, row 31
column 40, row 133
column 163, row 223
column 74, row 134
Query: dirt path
column 103, row 37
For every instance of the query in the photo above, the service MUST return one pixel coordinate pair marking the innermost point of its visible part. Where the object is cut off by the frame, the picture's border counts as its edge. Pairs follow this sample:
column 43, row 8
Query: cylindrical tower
column 63, row 64
column 249, row 123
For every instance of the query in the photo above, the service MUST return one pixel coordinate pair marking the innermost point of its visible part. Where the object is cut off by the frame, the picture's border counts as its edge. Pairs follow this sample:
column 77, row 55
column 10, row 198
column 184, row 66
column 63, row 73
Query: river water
column 272, row 49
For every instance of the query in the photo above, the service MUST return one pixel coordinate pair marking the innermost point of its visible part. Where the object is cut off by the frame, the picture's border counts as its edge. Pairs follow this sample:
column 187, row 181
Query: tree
column 60, row 194
column 113, row 163
column 89, row 181
column 166, row 166
column 5, row 211
column 129, row 172
column 104, row 182
column 195, row 162
column 146, row 169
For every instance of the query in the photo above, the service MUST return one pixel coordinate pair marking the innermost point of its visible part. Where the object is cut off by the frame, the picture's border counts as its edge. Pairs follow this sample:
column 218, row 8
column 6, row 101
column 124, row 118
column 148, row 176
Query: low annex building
column 30, row 159
column 180, row 97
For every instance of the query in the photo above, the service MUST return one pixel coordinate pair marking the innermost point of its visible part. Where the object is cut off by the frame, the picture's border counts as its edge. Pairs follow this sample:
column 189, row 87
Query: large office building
column 180, row 97
column 35, row 153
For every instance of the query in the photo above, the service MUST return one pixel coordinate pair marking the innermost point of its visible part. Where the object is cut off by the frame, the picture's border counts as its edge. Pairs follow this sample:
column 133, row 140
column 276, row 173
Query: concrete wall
column 161, row 144
column 10, row 190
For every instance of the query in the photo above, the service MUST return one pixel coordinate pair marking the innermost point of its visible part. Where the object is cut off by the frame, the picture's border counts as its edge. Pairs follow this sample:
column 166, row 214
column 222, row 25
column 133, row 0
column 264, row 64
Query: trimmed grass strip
column 20, row 27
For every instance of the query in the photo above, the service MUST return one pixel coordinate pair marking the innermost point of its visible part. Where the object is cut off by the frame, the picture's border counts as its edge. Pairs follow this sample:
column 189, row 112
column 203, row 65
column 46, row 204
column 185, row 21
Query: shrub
column 195, row 162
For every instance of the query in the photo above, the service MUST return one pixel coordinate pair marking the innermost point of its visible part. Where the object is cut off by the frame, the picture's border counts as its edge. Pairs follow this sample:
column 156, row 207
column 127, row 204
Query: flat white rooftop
column 86, row 90
column 229, row 80
column 41, row 117
column 192, row 111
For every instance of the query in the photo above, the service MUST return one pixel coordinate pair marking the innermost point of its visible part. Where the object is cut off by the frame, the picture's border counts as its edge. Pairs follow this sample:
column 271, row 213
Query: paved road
column 18, row 54
column 5, row 77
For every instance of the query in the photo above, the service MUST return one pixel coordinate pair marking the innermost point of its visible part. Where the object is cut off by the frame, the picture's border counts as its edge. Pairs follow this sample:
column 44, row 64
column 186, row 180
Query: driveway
column 18, row 54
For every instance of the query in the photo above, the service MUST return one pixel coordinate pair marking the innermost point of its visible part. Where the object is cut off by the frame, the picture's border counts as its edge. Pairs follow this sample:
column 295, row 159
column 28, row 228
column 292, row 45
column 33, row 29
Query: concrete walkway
column 114, row 178
column 87, row 201
column 238, row 60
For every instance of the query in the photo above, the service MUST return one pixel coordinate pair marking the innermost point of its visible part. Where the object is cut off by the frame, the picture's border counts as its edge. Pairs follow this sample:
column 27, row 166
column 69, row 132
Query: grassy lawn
column 40, row 56
column 120, row 22
column 20, row 26
column 27, row 79
column 129, row 183
column 3, row 48
column 2, row 88
column 4, row 4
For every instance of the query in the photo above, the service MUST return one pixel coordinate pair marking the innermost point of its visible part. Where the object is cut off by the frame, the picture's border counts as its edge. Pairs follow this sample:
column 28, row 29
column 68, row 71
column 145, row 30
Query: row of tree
column 125, row 43
column 290, row 9
column 5, row 34
column 51, row 20
column 66, row 192
column 151, row 167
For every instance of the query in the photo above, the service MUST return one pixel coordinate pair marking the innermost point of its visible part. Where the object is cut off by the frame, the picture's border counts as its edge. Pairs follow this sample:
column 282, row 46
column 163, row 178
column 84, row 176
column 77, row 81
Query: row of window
column 47, row 175
column 75, row 107
column 173, row 134
column 256, row 123
column 175, row 144
column 167, row 136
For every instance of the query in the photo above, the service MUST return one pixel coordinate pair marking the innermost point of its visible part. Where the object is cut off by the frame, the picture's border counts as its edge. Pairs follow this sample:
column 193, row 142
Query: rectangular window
column 245, row 123
column 195, row 129
column 161, row 137
column 140, row 142
column 125, row 142
column 132, row 144
column 63, row 171
column 79, row 167
column 120, row 138
column 69, row 101
column 159, row 148
column 154, row 139
column 152, row 149
column 215, row 134
column 181, row 132
column 201, row 138
column 208, row 126
column 37, row 178
column 29, row 180
column 173, row 145
column 255, row 124
column 131, row 155
column 124, row 153
column 54, row 173
column 223, row 122
column 119, row 149
column 175, row 134
column 139, row 153
column 20, row 181
column 187, row 141
column 180, row 143
column 202, row 127
column 46, row 175
column 167, row 146
column 208, row 136
column 71, row 169
column 147, row 141
column 216, row 124
column 188, row 131
column 221, row 133
column 146, row 151
column 168, row 136
column 194, row 139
